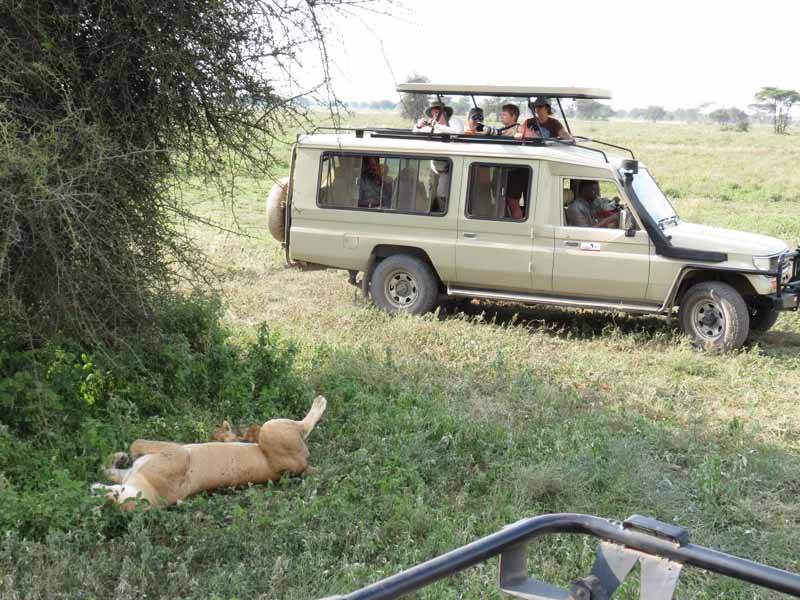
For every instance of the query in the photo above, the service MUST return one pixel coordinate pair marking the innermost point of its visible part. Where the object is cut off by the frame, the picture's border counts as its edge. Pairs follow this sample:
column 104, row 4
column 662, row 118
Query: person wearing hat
column 542, row 124
column 439, row 118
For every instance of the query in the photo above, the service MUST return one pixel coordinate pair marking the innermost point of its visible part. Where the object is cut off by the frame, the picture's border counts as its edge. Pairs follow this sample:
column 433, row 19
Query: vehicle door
column 493, row 247
column 599, row 262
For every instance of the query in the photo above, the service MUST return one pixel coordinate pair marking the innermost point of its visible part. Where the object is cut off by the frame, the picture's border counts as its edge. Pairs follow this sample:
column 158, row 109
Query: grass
column 444, row 428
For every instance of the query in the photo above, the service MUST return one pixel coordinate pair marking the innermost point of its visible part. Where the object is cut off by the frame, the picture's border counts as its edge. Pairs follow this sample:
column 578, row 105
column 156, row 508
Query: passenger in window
column 409, row 192
column 542, row 124
column 439, row 118
column 482, row 203
column 516, row 186
column 441, row 171
column 580, row 212
column 375, row 188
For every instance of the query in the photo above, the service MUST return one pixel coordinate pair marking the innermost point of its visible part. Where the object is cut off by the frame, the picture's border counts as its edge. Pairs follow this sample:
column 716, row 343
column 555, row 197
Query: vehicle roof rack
column 510, row 91
column 405, row 134
column 593, row 141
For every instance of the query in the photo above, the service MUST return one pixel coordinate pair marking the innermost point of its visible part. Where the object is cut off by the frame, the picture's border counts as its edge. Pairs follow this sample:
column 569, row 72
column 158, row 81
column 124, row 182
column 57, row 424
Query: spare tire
column 276, row 209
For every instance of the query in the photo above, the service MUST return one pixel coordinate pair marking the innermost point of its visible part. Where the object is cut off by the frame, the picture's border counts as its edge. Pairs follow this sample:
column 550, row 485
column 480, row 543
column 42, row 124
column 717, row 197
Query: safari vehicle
column 426, row 215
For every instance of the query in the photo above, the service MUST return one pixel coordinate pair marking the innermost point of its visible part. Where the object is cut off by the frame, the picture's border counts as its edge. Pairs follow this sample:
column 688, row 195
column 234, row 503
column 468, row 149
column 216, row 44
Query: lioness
column 165, row 472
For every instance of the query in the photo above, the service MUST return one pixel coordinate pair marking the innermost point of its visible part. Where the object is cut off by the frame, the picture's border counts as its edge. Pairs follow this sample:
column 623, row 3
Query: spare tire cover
column 276, row 209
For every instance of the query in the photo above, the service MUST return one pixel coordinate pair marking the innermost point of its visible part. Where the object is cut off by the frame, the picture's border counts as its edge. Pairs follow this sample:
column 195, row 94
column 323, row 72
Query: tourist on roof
column 542, row 124
column 508, row 117
column 441, row 119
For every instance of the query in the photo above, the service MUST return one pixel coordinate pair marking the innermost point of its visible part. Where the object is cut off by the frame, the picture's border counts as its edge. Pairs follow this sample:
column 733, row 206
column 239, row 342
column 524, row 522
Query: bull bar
column 787, row 293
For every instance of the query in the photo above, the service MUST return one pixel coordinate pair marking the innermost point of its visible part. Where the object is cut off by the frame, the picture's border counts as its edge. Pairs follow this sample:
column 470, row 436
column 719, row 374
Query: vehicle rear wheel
column 404, row 284
column 762, row 317
column 715, row 315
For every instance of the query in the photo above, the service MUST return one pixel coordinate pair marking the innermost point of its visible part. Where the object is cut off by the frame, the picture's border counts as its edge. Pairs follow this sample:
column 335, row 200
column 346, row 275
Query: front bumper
column 788, row 300
column 787, row 295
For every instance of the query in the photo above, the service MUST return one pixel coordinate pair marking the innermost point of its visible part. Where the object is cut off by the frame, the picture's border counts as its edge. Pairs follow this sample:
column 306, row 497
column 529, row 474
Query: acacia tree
column 104, row 107
column 730, row 117
column 593, row 110
column 778, row 103
column 413, row 105
column 655, row 113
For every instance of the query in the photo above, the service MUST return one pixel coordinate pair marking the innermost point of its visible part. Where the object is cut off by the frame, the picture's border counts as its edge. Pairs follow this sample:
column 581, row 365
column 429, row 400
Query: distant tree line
column 373, row 105
column 774, row 107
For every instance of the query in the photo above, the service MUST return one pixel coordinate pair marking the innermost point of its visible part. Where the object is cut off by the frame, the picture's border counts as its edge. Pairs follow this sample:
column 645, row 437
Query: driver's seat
column 568, row 197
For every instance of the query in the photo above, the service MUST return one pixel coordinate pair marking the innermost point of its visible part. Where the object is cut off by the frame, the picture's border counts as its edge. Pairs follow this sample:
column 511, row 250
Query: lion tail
column 314, row 415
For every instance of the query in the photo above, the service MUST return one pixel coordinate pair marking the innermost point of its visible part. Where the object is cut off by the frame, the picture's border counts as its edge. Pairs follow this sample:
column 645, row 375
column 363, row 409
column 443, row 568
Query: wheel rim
column 708, row 320
column 401, row 288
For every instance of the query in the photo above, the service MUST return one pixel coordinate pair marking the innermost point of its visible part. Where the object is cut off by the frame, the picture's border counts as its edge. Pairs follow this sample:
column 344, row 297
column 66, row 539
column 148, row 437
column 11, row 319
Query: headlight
column 765, row 263
column 769, row 263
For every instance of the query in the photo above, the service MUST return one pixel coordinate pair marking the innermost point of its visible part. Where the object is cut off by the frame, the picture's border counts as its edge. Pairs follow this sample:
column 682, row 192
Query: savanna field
column 439, row 429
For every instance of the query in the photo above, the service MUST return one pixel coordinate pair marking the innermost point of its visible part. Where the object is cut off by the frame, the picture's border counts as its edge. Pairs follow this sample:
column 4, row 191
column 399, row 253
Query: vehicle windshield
column 653, row 199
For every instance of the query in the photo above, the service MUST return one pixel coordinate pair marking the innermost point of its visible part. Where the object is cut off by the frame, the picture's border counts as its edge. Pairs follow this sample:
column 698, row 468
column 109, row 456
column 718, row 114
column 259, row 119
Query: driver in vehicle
column 582, row 213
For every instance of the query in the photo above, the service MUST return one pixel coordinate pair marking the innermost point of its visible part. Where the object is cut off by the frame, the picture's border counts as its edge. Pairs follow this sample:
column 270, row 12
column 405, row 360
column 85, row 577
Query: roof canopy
column 509, row 91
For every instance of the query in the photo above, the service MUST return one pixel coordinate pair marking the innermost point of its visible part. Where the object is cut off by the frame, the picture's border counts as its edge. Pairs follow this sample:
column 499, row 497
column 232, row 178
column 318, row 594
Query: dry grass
column 444, row 428
column 640, row 363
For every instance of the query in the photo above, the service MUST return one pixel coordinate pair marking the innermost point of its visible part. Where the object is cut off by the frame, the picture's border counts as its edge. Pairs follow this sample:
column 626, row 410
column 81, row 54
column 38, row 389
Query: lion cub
column 165, row 472
column 226, row 433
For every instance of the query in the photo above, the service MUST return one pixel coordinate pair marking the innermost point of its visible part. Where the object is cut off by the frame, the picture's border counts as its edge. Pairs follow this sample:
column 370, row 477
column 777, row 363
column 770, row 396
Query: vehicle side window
column 384, row 183
column 498, row 192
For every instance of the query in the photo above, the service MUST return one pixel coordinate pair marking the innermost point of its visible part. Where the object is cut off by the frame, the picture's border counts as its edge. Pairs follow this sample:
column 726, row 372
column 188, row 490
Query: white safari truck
column 426, row 215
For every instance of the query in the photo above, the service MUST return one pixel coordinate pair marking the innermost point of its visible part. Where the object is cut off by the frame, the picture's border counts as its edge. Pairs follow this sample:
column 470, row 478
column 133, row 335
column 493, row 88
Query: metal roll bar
column 662, row 550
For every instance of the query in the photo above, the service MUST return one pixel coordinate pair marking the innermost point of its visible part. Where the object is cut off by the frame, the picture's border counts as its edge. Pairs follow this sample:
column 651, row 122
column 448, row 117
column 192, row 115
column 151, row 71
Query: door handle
column 572, row 244
column 469, row 234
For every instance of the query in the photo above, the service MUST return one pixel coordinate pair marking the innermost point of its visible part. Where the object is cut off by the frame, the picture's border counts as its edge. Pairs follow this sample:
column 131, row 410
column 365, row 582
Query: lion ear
column 226, row 426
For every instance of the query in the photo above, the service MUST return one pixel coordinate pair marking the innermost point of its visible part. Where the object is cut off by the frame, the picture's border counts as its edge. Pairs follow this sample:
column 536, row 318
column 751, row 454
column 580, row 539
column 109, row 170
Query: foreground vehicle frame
column 661, row 549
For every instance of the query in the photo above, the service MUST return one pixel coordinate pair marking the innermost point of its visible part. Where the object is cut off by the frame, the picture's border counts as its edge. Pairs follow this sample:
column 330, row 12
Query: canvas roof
column 504, row 91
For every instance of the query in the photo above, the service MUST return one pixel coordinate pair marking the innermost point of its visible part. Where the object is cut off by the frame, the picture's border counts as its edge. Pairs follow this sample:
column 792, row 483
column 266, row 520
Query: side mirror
column 628, row 223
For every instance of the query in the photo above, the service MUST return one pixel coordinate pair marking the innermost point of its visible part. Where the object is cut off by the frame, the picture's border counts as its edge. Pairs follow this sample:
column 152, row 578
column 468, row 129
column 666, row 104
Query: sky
column 676, row 54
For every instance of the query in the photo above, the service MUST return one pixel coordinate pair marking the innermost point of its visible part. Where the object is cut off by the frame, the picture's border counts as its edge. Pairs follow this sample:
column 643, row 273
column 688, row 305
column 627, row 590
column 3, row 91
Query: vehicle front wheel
column 762, row 317
column 404, row 284
column 715, row 315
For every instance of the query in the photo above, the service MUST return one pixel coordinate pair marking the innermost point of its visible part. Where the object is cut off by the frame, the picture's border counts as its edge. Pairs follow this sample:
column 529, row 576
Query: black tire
column 762, row 317
column 715, row 315
column 404, row 284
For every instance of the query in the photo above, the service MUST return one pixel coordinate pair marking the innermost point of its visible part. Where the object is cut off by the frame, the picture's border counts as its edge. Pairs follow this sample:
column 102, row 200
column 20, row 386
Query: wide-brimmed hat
column 440, row 105
column 541, row 101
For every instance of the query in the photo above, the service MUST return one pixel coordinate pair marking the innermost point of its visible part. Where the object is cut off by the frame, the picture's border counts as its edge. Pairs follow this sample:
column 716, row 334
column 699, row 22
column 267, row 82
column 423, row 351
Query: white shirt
column 456, row 126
